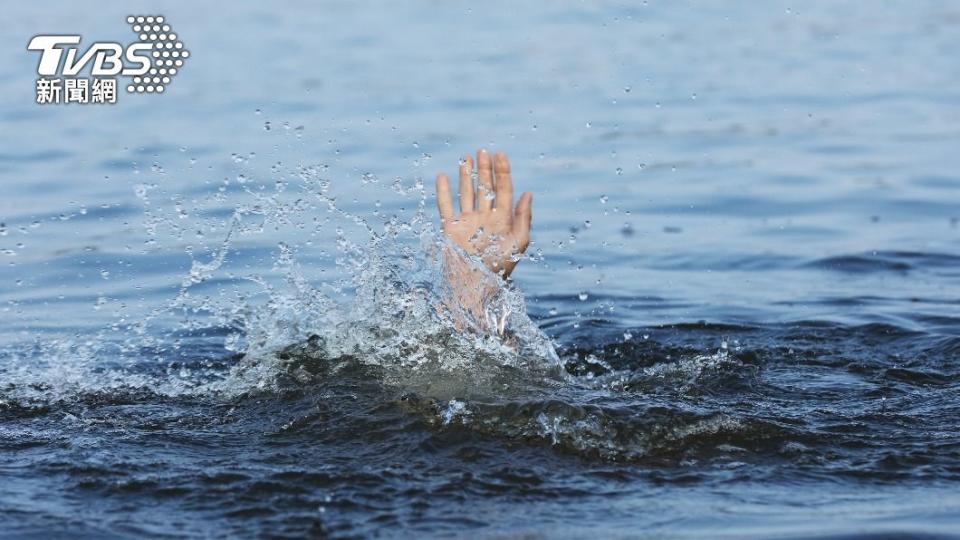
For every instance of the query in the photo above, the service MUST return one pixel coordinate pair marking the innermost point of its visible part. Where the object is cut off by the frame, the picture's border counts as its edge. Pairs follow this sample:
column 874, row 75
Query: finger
column 444, row 200
column 522, row 216
column 503, row 183
column 466, row 184
column 485, row 187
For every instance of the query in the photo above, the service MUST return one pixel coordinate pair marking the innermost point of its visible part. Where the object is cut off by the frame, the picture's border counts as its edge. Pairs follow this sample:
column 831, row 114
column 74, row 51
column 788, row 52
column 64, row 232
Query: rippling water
column 739, row 317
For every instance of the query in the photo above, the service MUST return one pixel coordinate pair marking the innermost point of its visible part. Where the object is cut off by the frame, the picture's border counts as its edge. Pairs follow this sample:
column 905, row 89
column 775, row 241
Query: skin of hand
column 489, row 223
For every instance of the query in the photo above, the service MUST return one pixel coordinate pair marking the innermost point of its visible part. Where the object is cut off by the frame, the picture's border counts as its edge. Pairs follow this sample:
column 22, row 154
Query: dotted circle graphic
column 167, row 51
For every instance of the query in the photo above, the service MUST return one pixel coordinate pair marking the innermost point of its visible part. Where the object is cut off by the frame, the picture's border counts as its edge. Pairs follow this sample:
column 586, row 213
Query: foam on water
column 226, row 334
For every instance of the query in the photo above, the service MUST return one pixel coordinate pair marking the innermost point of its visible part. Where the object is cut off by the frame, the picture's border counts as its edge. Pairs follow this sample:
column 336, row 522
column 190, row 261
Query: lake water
column 217, row 317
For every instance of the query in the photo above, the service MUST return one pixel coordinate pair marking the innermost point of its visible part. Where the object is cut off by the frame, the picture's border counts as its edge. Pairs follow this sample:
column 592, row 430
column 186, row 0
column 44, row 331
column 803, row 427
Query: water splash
column 384, row 303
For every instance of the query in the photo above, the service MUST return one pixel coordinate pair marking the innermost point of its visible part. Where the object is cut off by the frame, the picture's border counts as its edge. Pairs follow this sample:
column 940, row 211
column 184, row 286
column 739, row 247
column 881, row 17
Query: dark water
column 217, row 315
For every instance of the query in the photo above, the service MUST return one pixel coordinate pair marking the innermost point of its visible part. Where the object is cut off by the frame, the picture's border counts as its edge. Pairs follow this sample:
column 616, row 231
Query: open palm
column 488, row 223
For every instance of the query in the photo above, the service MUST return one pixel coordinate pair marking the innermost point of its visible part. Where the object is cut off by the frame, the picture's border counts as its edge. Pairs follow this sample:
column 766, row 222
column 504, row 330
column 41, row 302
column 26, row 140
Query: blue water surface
column 746, row 225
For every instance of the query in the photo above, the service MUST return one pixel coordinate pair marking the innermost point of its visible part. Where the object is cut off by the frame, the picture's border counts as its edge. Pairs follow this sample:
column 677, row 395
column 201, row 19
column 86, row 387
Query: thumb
column 522, row 215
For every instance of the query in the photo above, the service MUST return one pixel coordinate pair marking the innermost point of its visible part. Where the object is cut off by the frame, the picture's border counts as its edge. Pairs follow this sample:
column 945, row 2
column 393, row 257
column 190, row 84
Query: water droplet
column 626, row 89
column 232, row 342
column 583, row 296
column 604, row 199
column 553, row 311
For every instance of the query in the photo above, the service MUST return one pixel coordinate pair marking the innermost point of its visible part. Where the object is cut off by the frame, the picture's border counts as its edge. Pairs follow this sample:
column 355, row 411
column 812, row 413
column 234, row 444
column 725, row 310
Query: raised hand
column 488, row 223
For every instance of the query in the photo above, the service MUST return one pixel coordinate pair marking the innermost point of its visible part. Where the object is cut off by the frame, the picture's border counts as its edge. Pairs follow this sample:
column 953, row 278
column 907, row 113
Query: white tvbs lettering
column 108, row 58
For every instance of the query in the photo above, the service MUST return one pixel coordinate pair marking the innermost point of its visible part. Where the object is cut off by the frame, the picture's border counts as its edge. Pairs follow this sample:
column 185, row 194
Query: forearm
column 468, row 290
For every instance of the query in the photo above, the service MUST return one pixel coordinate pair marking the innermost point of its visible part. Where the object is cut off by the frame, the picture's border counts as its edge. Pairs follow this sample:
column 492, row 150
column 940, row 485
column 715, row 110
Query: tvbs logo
column 150, row 63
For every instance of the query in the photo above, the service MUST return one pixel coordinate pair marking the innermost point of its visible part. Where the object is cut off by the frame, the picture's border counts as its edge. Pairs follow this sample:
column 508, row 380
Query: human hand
column 488, row 223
